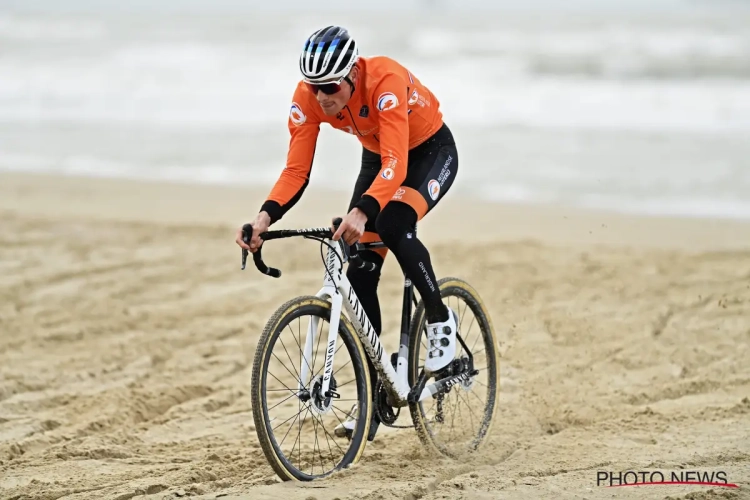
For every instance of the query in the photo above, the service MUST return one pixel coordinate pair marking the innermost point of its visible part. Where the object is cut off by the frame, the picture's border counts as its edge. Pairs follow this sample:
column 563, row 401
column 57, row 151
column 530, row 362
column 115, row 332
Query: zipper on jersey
column 353, row 122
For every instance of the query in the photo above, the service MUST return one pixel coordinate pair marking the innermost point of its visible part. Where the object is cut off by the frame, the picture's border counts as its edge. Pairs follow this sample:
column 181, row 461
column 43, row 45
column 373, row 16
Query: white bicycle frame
column 337, row 289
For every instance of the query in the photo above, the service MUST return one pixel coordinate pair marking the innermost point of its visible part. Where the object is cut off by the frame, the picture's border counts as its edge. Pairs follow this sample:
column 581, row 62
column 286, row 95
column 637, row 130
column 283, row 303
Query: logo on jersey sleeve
column 388, row 174
column 433, row 187
column 296, row 114
column 386, row 101
column 417, row 98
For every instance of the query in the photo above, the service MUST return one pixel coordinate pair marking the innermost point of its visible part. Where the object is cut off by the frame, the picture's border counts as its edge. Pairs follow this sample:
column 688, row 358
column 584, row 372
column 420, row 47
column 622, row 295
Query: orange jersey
column 390, row 112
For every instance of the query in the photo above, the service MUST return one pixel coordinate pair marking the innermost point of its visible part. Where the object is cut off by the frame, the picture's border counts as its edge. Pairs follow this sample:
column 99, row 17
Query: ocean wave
column 37, row 29
column 604, row 52
column 89, row 166
column 201, row 74
column 687, row 205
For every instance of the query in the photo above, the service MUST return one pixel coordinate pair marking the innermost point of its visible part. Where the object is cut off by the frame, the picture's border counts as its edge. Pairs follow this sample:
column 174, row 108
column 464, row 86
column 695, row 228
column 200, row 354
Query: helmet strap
column 350, row 83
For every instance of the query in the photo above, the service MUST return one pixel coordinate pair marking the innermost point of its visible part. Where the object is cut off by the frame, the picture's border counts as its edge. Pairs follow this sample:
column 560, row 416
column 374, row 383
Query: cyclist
column 409, row 161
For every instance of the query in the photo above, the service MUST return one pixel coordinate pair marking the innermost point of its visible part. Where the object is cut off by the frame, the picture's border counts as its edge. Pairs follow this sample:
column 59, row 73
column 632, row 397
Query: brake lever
column 342, row 244
column 351, row 254
column 247, row 233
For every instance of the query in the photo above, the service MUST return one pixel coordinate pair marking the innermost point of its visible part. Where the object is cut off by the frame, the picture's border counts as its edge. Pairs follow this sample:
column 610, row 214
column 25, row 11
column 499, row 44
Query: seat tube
column 403, row 348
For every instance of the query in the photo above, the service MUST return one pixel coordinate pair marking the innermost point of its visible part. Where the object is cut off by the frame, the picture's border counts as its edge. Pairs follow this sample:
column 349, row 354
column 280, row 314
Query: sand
column 127, row 332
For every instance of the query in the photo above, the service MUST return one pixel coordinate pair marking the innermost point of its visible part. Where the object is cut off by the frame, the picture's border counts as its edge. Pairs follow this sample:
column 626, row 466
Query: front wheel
column 457, row 421
column 294, row 419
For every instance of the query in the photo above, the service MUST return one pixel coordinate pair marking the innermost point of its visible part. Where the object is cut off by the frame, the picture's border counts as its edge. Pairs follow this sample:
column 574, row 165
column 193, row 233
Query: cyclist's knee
column 394, row 221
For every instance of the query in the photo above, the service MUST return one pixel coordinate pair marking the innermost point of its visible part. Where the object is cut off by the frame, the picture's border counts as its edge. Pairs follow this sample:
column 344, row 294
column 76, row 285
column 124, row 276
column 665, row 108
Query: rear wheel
column 457, row 421
column 294, row 420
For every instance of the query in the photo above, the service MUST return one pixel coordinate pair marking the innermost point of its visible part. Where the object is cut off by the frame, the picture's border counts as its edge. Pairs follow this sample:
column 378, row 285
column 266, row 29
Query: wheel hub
column 321, row 403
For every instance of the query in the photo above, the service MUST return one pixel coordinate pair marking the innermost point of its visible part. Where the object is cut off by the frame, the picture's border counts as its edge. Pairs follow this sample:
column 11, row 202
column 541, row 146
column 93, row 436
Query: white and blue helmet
column 328, row 55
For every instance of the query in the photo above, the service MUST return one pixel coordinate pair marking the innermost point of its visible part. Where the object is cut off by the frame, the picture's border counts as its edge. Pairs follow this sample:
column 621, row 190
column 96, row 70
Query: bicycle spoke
column 461, row 428
column 340, row 367
column 304, row 456
column 461, row 323
column 345, row 383
column 333, row 410
column 317, row 346
column 287, row 420
column 476, row 396
column 330, row 451
column 290, row 359
column 292, row 424
column 328, row 434
column 282, row 401
column 315, row 444
column 453, row 418
column 282, row 383
column 287, row 369
column 301, row 350
column 468, row 406
column 466, row 334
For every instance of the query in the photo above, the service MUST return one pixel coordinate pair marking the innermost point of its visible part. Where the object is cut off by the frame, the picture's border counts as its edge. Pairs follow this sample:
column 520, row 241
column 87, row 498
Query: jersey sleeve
column 304, row 128
column 390, row 99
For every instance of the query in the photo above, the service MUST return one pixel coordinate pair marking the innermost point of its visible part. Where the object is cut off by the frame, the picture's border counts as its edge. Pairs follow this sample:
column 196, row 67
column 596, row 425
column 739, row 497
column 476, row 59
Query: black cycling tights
column 395, row 225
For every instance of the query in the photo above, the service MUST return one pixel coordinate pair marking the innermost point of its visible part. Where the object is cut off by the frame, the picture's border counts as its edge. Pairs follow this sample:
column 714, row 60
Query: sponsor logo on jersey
column 388, row 174
column 445, row 172
column 414, row 97
column 386, row 101
column 296, row 114
column 433, row 188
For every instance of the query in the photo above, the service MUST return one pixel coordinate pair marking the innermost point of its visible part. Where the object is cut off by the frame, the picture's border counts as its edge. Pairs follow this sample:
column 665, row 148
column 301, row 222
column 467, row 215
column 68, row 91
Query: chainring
column 385, row 412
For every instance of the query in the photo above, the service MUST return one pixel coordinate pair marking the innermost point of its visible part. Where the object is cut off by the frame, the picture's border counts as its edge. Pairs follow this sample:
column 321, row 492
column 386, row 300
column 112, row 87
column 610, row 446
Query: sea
column 638, row 106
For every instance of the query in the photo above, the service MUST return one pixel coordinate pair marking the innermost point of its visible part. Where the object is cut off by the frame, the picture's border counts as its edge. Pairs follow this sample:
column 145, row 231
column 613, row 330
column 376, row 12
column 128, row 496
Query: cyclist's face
column 331, row 104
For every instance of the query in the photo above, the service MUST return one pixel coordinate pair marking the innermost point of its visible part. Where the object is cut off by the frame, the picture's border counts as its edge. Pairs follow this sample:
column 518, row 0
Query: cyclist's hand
column 260, row 225
column 352, row 227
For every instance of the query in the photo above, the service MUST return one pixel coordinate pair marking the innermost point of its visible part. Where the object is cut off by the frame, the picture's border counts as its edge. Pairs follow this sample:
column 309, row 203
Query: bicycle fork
column 307, row 355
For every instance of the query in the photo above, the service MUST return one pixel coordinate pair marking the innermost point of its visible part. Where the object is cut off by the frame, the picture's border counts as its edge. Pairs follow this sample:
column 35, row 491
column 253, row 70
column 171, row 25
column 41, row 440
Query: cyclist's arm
column 394, row 145
column 294, row 178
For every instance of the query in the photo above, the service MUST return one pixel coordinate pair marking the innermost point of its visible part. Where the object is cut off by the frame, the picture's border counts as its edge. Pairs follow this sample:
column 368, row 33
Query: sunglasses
column 328, row 88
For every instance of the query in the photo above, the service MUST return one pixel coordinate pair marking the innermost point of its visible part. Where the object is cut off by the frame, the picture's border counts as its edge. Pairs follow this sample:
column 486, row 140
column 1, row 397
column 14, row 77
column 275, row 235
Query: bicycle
column 402, row 381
